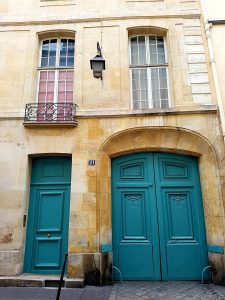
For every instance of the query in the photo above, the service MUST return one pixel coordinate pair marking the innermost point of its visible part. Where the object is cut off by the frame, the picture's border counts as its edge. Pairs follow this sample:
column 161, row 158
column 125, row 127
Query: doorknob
column 49, row 234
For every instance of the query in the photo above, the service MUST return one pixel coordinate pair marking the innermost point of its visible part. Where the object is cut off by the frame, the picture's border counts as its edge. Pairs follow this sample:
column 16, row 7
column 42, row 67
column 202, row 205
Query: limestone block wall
column 107, row 126
column 190, row 80
column 37, row 9
column 90, row 204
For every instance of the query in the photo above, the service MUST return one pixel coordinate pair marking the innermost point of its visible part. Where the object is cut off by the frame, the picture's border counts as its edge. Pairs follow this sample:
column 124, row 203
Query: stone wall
column 101, row 138
column 107, row 126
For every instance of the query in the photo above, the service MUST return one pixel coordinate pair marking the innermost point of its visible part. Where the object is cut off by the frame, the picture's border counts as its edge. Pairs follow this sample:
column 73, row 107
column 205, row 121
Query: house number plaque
column 91, row 162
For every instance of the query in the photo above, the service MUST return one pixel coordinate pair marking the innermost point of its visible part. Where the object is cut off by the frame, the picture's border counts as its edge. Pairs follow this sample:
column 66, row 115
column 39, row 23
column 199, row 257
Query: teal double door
column 48, row 215
column 157, row 217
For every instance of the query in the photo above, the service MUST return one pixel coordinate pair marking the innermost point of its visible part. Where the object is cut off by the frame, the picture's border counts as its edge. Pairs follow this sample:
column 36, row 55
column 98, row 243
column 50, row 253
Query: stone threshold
column 34, row 280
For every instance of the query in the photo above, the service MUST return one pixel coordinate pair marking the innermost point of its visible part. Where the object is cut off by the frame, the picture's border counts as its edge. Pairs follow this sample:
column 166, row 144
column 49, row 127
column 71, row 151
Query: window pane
column 164, row 104
column 48, row 53
column 161, row 59
column 152, row 50
column 50, row 97
column 69, row 75
column 50, row 86
column 42, row 86
column 138, row 50
column 44, row 62
column 136, row 105
column 156, row 86
column 52, row 51
column 65, row 86
column 155, row 94
column 61, row 86
column 143, row 105
column 51, row 75
column 43, row 75
column 142, row 50
column 157, row 50
column 61, row 97
column 62, row 75
column 45, row 49
column 69, row 86
column 63, row 47
column 134, row 51
column 52, row 61
column 46, row 86
column 144, row 95
column 62, row 61
column 156, row 104
column 163, row 94
column 71, row 47
column 140, row 88
column 69, row 97
column 159, row 88
column 135, row 96
column 70, row 61
column 153, row 59
column 66, row 53
column 160, row 47
column 41, row 97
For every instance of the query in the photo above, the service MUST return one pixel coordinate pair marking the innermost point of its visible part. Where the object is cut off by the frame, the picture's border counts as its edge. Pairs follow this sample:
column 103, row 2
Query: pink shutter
column 46, row 95
column 65, row 95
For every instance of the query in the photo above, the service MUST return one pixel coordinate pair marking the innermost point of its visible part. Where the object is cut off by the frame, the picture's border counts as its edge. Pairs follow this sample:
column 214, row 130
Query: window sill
column 195, row 109
column 47, row 3
column 48, row 124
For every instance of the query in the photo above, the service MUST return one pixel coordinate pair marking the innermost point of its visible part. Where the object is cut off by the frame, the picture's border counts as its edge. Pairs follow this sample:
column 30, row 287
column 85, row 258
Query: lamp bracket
column 99, row 49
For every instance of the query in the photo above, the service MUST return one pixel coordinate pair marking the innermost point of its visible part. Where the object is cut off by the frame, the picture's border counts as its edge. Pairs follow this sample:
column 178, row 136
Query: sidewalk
column 172, row 290
column 155, row 290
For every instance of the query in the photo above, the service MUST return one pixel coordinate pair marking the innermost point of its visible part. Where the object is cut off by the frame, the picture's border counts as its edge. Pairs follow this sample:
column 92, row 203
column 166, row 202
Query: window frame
column 55, row 68
column 149, row 67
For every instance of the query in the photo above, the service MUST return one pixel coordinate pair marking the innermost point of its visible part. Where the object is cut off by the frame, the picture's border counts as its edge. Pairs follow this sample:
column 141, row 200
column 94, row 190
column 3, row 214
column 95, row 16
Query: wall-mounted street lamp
column 98, row 63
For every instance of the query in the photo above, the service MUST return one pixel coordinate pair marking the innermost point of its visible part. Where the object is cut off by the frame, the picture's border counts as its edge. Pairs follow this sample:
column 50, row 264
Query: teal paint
column 215, row 249
column 157, row 215
column 48, row 216
column 136, row 250
column 106, row 248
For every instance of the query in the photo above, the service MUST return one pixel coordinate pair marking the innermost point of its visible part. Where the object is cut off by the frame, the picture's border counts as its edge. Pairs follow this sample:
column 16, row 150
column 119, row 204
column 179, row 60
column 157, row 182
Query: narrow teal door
column 48, row 215
column 157, row 214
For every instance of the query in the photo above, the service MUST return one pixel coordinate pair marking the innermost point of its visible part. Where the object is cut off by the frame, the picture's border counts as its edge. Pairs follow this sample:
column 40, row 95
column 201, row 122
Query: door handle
column 49, row 235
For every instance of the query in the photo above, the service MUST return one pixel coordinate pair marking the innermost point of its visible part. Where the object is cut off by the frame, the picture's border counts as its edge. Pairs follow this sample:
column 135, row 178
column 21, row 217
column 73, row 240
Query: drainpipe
column 213, row 66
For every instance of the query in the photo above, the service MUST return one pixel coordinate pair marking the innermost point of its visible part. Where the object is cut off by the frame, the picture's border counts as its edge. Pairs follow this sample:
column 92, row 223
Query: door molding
column 162, row 139
column 168, row 213
column 49, row 185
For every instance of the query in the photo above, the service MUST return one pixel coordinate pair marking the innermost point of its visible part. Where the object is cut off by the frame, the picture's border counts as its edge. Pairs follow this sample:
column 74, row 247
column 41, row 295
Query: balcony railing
column 50, row 113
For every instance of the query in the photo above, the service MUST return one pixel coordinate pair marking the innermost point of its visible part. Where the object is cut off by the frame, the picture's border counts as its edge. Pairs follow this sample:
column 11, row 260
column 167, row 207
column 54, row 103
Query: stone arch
column 166, row 139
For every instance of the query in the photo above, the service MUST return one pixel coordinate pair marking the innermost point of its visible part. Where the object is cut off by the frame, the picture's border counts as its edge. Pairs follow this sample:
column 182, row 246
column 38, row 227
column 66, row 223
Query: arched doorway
column 166, row 140
column 157, row 217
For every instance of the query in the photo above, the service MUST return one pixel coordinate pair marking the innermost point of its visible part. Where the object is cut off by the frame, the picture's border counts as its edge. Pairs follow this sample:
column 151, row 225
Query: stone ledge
column 100, row 113
column 39, row 281
column 74, row 283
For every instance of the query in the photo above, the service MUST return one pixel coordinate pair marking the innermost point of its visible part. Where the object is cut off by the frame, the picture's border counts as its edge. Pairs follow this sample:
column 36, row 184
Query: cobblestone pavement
column 127, row 290
column 166, row 290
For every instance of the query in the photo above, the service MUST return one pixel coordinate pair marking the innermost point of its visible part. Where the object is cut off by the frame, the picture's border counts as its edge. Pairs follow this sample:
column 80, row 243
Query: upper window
column 56, row 71
column 149, row 74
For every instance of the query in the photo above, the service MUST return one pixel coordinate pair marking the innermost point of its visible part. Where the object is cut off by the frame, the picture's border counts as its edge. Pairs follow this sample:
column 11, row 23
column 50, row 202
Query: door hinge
column 24, row 220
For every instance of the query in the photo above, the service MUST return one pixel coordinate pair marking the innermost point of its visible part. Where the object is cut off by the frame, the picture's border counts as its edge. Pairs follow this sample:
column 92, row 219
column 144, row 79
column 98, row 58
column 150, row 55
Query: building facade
column 133, row 176
column 214, row 21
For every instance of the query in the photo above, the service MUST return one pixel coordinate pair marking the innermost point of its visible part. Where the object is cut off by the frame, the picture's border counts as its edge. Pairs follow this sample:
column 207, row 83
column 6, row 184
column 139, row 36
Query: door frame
column 200, row 225
column 29, row 222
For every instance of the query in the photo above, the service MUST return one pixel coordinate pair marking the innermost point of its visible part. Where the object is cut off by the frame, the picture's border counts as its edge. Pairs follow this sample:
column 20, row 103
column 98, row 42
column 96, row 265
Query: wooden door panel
column 180, row 216
column 48, row 217
column 135, row 228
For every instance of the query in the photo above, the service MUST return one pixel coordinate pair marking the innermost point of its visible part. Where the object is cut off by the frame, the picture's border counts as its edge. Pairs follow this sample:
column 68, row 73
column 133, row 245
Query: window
column 56, row 71
column 149, row 74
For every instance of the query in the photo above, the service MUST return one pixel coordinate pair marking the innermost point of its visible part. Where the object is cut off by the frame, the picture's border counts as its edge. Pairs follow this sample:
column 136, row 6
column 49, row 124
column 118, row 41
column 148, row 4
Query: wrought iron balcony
column 50, row 113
